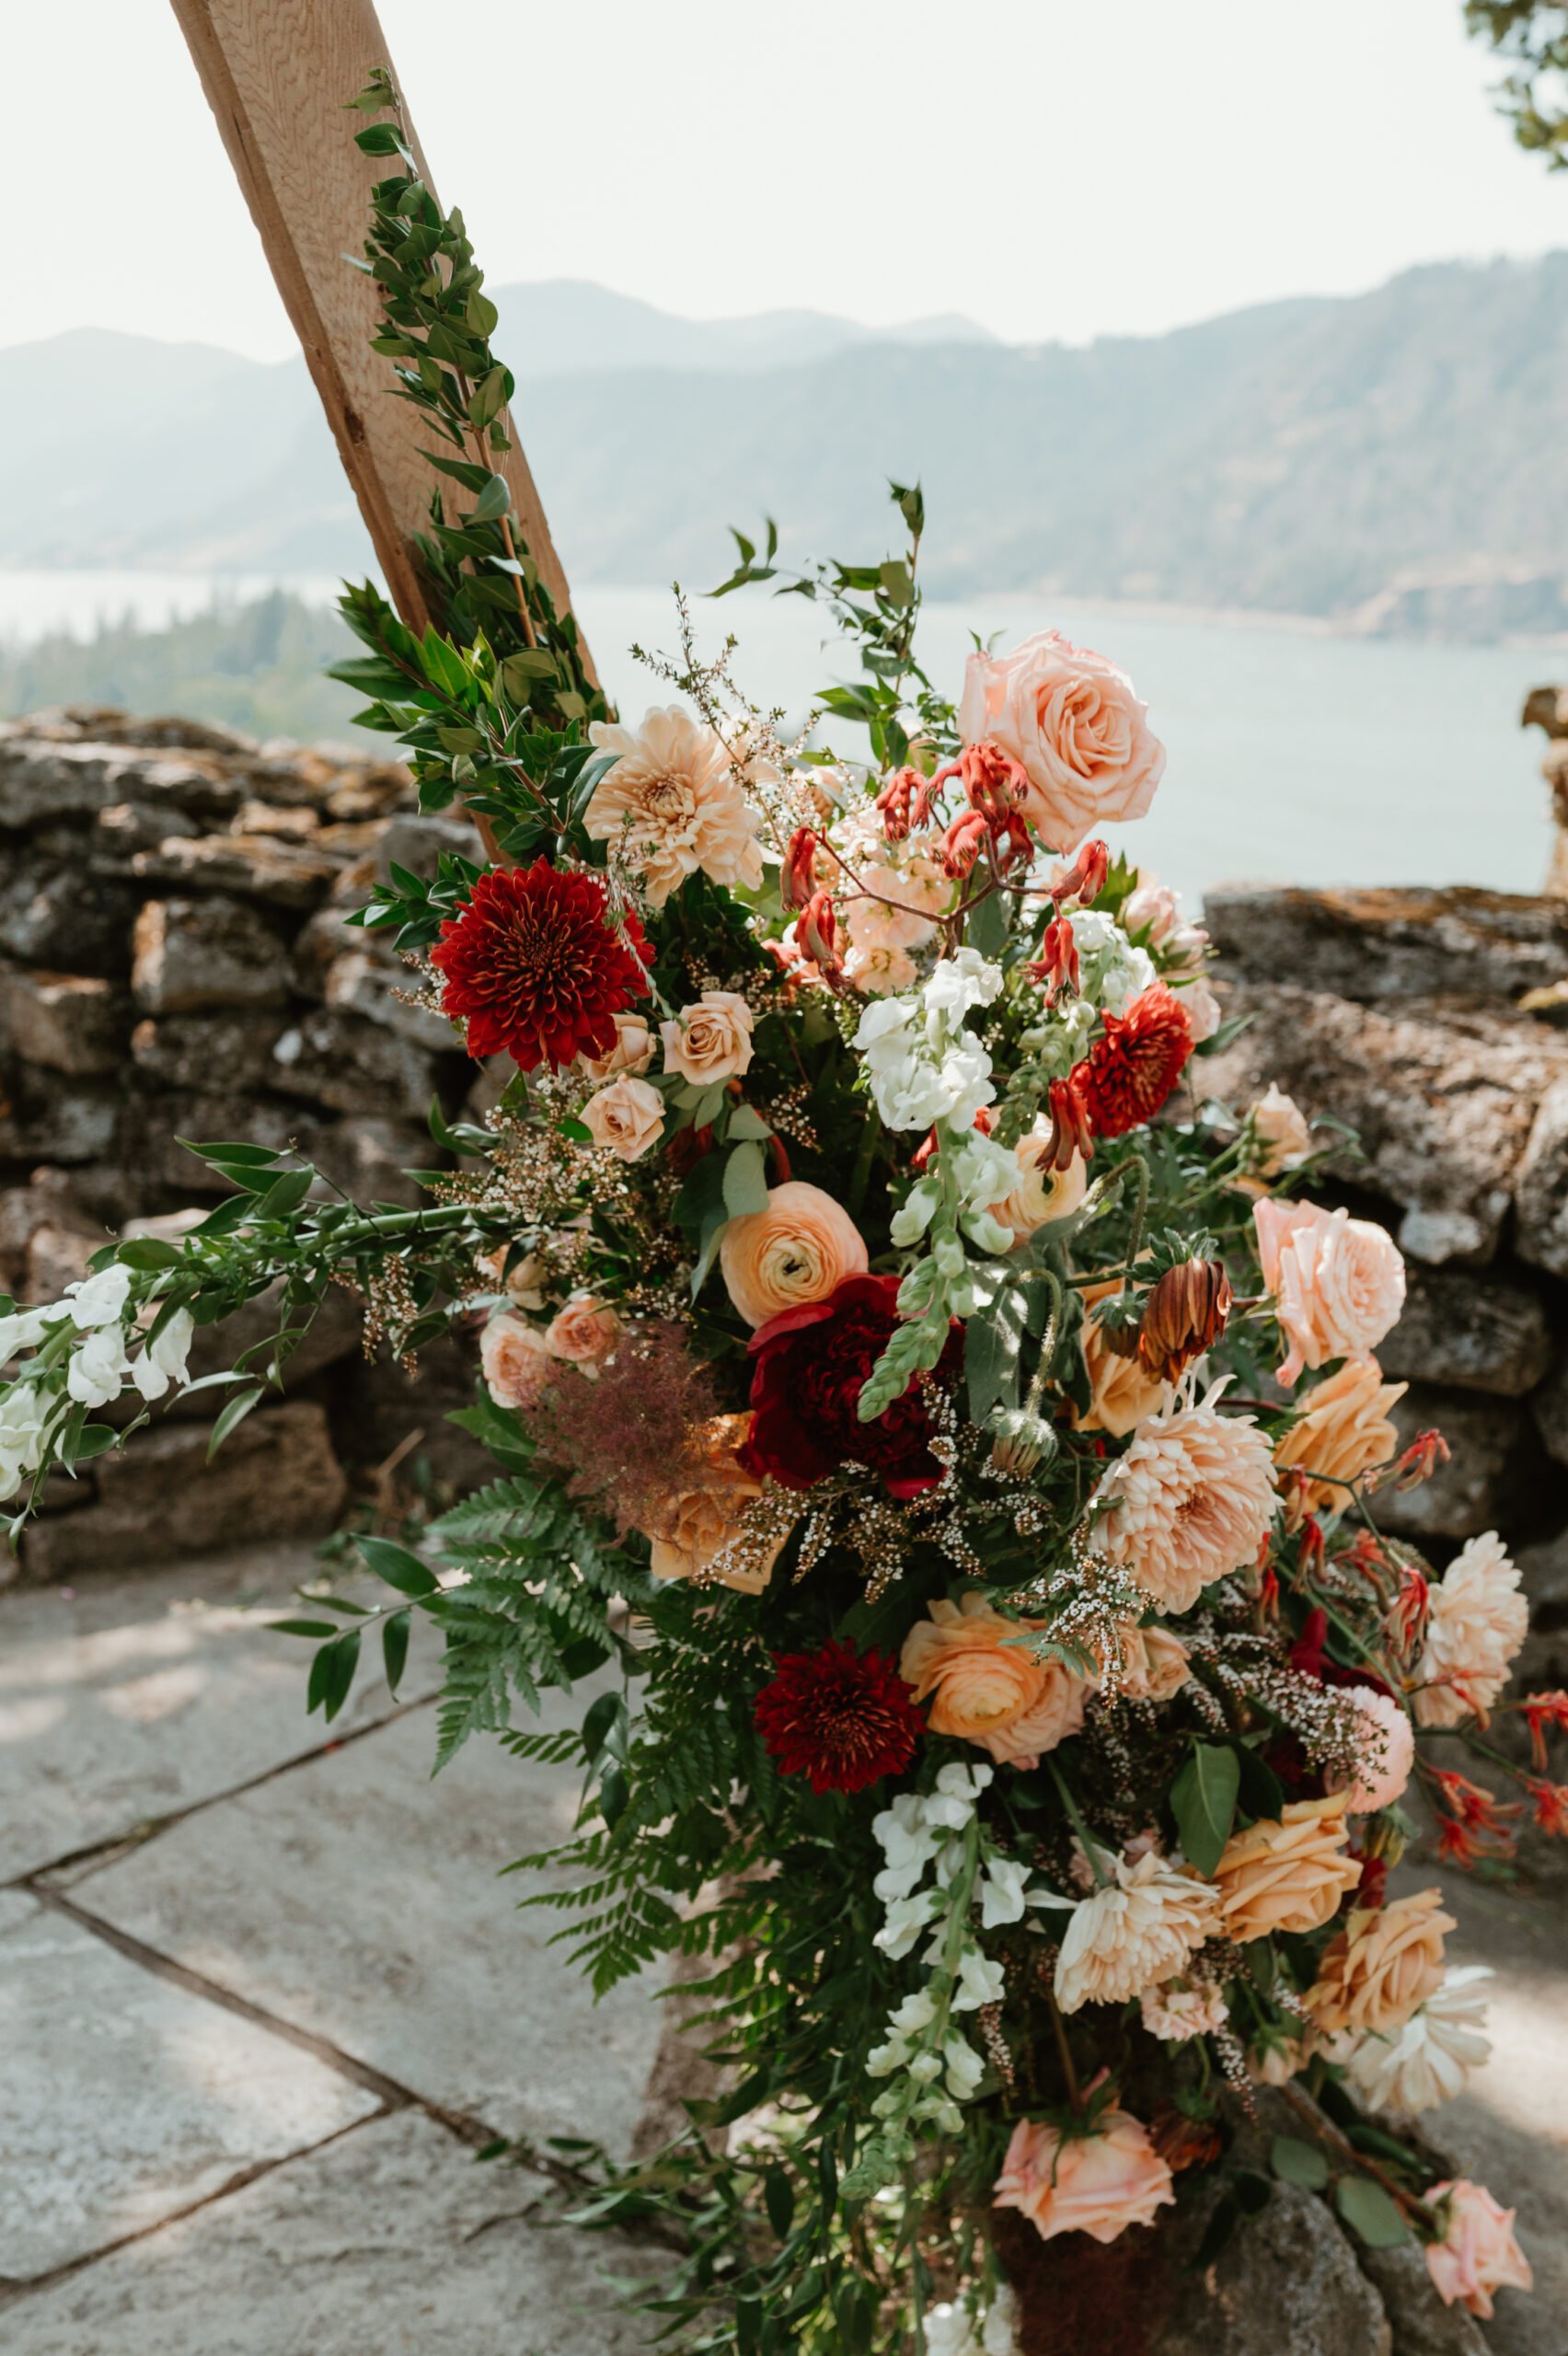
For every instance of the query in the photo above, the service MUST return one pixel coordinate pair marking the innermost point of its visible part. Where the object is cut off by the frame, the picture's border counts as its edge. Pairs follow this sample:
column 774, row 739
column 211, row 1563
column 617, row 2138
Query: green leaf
column 745, row 1120
column 988, row 924
column 235, row 1413
column 332, row 1674
column 1296, row 2163
column 991, row 1344
column 1370, row 2211
column 397, row 1567
column 779, row 2194
column 286, row 1193
column 303, row 1627
column 148, row 1252
column 379, row 139
column 745, row 1182
column 1261, row 1793
column 604, row 1716
column 493, row 501
column 1204, row 1800
column 395, row 1648
column 481, row 314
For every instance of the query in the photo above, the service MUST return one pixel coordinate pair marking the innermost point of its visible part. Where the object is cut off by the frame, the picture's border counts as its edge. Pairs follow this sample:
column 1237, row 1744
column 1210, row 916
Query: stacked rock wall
column 175, row 962
column 1435, row 1025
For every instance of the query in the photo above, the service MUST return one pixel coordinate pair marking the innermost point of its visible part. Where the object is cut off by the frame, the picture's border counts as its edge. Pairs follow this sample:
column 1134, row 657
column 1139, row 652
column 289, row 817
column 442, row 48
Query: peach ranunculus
column 517, row 1362
column 702, row 1515
column 1042, row 1193
column 633, row 1050
column 1095, row 2184
column 1478, row 2253
column 1344, row 1431
column 988, row 1689
column 584, row 1333
column 1070, row 719
column 1382, row 1774
column 1122, row 1390
column 797, row 1252
column 1190, row 1501
column 1338, row 1282
column 711, row 1041
column 625, row 1118
column 1387, row 1960
column 1138, row 1929
column 1286, row 1876
column 1476, row 1622
column 673, row 800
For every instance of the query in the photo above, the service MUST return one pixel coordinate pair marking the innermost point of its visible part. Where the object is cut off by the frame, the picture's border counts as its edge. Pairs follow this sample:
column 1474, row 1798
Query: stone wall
column 175, row 962
column 1436, row 1025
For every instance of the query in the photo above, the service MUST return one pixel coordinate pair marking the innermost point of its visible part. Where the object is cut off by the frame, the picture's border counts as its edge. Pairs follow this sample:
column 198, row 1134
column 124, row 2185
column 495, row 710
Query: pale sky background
column 1050, row 167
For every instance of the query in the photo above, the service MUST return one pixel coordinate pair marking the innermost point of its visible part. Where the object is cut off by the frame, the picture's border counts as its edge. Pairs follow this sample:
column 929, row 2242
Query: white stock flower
column 1136, row 1931
column 1111, row 972
column 164, row 1361
column 952, row 2330
column 98, row 1301
column 23, row 1415
column 959, row 983
column 98, row 1368
column 1427, row 2061
column 984, row 1171
column 963, row 1782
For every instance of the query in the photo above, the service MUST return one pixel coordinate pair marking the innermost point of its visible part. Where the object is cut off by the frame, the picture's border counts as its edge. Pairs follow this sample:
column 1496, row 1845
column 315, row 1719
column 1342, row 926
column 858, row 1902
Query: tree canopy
column 1533, row 36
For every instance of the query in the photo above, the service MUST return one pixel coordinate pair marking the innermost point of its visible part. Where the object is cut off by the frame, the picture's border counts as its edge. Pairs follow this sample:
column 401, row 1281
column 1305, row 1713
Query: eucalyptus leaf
column 1296, row 2163
column 1370, row 2211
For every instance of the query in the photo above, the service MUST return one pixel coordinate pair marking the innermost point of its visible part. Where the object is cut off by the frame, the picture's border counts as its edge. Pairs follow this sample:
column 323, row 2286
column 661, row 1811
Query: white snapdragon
column 99, row 1366
column 26, row 1328
column 24, row 1415
column 164, row 1360
column 98, row 1301
column 1110, row 971
column 952, row 2329
column 1001, row 1892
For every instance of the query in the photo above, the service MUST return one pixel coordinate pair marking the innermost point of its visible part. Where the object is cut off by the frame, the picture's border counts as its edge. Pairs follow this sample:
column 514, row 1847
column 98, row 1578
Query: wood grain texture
column 276, row 74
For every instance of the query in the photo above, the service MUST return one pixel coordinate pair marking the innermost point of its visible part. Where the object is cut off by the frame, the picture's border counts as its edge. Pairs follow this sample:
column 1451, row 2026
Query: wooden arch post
column 276, row 74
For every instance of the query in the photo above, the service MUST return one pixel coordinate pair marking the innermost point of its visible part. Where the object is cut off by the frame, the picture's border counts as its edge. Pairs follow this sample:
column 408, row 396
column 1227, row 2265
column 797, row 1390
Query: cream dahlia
column 1183, row 2008
column 1428, row 2060
column 1476, row 1623
column 1139, row 1930
column 1192, row 1499
column 674, row 801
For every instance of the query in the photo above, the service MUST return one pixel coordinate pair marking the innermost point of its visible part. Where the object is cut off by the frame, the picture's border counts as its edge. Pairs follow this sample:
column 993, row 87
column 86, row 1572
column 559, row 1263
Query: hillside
column 1396, row 462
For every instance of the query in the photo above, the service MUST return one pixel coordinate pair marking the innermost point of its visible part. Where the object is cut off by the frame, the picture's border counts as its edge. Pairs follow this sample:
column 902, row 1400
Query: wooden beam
column 276, row 74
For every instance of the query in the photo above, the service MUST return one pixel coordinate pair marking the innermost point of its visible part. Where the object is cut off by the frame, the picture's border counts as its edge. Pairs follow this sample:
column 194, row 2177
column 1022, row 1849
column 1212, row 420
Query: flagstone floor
column 262, row 1996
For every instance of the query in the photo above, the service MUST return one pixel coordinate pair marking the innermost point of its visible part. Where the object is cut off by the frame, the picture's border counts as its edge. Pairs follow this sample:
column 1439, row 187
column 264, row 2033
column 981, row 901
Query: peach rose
column 1203, row 1009
column 584, row 1333
column 1156, row 1664
column 633, row 1050
column 988, row 1691
column 1042, row 1193
column 880, row 973
column 1338, row 1282
column 524, row 1281
column 711, row 1041
column 1288, row 1875
column 625, row 1118
column 796, row 1252
column 517, row 1360
column 1282, row 1137
column 695, row 1521
column 1344, row 1431
column 1478, row 2253
column 1385, row 1962
column 1384, row 1771
column 1070, row 719
column 1095, row 2184
column 1122, row 1390
column 1274, row 2061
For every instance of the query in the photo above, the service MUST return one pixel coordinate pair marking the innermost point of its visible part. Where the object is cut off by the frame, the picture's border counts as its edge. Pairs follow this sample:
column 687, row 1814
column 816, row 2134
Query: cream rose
column 712, row 1039
column 1156, row 1664
column 1288, row 1875
column 1385, row 1962
column 987, row 1689
column 584, row 1333
column 1339, row 1282
column 633, row 1050
column 1042, row 1194
column 1070, row 719
column 625, row 1118
column 517, row 1362
column 1097, row 2184
column 1344, row 1431
column 696, row 1521
column 797, row 1252
column 524, row 1281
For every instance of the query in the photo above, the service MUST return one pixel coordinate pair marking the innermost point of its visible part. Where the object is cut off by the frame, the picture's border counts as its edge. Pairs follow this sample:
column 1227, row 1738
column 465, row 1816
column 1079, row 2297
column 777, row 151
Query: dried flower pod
column 1183, row 1316
column 1020, row 1441
column 1184, row 2142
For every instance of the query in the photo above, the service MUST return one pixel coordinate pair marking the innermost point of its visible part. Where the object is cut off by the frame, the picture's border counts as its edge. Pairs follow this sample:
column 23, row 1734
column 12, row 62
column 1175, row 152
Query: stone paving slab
column 355, row 1897
column 123, row 2099
column 124, row 1700
column 389, row 2242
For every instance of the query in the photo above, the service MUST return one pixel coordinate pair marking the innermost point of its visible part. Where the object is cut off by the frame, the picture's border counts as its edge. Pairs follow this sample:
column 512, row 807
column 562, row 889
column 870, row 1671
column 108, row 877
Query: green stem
column 1047, row 1345
column 1091, row 1847
column 1140, row 1212
column 860, row 1176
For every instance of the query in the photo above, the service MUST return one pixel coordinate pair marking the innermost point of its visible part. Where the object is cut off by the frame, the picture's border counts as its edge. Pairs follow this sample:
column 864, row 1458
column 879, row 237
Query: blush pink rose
column 517, row 1361
column 584, row 1333
column 1338, row 1282
column 1383, row 1769
column 1097, row 2184
column 1478, row 2254
column 1070, row 719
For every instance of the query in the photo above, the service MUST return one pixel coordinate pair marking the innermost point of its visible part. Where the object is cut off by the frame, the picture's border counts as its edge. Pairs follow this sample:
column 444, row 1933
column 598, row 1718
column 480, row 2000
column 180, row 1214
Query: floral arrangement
column 947, row 1441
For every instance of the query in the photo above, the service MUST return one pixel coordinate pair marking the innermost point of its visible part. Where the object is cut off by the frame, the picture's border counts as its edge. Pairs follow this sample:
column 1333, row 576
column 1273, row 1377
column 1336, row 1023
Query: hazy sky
column 1052, row 168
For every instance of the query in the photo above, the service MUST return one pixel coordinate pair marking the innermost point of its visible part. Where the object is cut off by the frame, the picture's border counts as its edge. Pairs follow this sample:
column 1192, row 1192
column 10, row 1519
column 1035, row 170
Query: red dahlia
column 535, row 967
column 810, row 1365
column 1134, row 1067
column 840, row 1718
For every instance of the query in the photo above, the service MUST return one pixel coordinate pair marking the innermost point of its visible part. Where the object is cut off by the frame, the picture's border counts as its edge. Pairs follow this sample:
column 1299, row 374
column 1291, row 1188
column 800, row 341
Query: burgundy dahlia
column 810, row 1366
column 841, row 1718
column 534, row 965
column 1132, row 1070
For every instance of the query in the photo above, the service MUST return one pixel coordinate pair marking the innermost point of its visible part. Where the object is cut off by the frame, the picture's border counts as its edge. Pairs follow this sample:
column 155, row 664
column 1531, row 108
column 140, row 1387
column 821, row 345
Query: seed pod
column 1183, row 1315
column 1020, row 1441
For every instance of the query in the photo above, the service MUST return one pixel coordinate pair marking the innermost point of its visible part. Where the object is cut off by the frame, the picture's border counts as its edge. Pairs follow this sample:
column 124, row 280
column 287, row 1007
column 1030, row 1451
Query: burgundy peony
column 810, row 1366
column 537, row 968
column 842, row 1720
